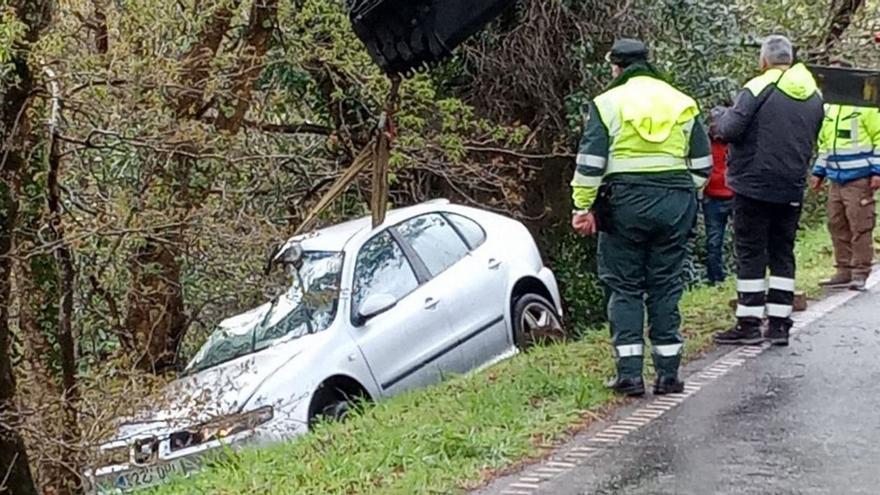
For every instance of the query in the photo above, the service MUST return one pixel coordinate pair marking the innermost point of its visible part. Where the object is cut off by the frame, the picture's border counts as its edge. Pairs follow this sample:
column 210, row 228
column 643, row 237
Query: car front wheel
column 535, row 321
column 329, row 404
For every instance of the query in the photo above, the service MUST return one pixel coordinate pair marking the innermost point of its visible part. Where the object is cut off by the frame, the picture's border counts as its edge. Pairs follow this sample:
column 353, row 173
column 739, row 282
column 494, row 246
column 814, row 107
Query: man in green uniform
column 642, row 157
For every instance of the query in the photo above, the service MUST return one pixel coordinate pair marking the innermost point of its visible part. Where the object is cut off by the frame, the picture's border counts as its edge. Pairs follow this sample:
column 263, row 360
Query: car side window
column 382, row 268
column 469, row 229
column 434, row 240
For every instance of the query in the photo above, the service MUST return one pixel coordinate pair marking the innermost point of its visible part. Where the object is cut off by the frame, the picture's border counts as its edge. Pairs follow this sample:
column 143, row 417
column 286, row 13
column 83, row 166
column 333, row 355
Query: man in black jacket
column 772, row 129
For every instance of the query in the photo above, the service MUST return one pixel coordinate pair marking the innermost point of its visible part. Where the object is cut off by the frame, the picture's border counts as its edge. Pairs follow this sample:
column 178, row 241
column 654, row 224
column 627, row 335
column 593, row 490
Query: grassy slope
column 443, row 439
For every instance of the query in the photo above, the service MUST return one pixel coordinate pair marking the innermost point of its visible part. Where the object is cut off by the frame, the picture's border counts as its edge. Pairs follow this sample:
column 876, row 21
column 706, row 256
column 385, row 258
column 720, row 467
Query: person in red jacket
column 717, row 207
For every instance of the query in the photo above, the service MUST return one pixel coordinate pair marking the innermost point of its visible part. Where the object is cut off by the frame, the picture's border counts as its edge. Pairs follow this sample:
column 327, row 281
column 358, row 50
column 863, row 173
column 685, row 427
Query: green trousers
column 640, row 265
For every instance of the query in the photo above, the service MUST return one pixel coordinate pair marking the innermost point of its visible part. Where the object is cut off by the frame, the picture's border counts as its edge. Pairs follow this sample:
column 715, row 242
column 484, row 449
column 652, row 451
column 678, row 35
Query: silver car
column 437, row 290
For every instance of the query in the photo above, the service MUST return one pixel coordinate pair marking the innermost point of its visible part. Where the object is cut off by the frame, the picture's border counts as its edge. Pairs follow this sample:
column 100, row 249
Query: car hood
column 215, row 392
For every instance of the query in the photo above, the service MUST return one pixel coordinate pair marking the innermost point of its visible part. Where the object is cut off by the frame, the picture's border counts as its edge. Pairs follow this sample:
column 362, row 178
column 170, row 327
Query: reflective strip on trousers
column 782, row 283
column 670, row 350
column 751, row 286
column 779, row 310
column 749, row 311
column 699, row 181
column 633, row 350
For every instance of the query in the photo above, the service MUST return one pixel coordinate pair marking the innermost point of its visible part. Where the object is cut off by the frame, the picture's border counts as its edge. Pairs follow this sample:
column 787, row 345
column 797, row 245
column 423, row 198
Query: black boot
column 778, row 331
column 741, row 334
column 668, row 385
column 630, row 387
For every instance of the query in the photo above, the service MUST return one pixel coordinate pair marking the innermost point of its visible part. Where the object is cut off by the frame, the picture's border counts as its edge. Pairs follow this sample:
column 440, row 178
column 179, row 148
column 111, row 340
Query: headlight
column 221, row 428
column 112, row 454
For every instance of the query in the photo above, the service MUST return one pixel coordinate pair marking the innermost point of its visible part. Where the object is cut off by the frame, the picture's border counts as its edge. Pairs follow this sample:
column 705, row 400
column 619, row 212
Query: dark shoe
column 777, row 335
column 668, row 385
column 840, row 280
column 740, row 335
column 630, row 387
column 858, row 284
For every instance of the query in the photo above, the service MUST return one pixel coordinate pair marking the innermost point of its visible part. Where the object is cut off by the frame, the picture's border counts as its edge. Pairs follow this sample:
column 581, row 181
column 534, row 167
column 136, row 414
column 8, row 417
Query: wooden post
column 385, row 134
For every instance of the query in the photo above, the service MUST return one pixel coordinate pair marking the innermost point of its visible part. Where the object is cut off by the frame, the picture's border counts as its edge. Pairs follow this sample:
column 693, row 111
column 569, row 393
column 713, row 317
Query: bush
column 574, row 261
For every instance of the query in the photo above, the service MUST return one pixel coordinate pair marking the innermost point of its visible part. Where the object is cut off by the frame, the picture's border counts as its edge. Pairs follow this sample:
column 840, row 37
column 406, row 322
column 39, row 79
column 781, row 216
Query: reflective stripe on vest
column 645, row 164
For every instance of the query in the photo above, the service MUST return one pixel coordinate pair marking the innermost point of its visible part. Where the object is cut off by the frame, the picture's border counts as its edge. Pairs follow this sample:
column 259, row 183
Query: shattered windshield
column 296, row 312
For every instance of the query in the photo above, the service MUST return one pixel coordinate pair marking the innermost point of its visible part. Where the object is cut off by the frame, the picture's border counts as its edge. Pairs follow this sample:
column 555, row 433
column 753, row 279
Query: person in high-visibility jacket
column 643, row 155
column 848, row 157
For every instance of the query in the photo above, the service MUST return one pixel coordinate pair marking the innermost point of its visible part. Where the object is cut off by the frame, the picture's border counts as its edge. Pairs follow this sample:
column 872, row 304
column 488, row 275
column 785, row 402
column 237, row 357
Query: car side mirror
column 291, row 255
column 375, row 305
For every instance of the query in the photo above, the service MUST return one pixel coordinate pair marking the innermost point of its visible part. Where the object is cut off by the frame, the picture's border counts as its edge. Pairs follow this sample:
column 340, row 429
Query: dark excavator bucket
column 404, row 35
column 855, row 87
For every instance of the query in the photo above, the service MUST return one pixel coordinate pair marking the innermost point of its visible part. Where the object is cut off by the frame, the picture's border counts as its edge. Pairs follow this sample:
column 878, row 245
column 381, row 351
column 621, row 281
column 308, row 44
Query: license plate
column 144, row 477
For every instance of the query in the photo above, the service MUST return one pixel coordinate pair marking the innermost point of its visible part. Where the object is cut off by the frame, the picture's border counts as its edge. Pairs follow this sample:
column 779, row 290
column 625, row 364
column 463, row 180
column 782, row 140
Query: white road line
column 646, row 413
column 551, row 471
column 584, row 449
column 547, row 476
column 635, row 424
column 578, row 455
column 525, row 486
column 621, row 429
column 603, row 440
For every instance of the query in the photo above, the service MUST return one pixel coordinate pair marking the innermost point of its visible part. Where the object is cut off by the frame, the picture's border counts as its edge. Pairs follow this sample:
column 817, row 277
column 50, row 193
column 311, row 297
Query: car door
column 490, row 273
column 399, row 344
column 470, row 287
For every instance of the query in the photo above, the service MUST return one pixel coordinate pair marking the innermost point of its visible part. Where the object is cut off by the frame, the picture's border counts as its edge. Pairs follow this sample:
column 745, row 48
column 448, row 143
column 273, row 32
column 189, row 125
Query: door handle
column 431, row 303
column 494, row 264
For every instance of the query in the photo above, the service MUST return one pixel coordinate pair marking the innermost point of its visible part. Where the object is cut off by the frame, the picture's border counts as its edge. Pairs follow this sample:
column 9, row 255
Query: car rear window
column 469, row 229
column 434, row 240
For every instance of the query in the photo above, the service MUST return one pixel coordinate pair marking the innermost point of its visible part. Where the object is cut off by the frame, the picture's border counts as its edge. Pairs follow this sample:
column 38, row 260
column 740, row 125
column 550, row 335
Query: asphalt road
column 797, row 420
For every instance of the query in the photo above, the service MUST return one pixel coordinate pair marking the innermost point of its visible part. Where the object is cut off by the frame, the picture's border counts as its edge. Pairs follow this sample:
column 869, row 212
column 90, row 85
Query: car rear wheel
column 535, row 321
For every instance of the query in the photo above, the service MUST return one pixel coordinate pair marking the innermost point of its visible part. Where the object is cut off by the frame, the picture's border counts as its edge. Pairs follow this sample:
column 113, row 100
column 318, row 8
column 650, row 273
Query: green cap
column 627, row 51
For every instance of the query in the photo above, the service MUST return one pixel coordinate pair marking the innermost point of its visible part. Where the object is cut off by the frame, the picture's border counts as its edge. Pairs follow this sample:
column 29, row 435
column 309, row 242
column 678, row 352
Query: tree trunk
column 102, row 34
column 45, row 291
column 156, row 320
column 842, row 13
column 264, row 14
column 197, row 61
column 156, row 315
column 16, row 477
column 65, row 282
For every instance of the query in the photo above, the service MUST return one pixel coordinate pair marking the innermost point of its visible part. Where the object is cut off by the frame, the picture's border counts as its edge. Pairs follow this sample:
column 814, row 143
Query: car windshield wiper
column 263, row 323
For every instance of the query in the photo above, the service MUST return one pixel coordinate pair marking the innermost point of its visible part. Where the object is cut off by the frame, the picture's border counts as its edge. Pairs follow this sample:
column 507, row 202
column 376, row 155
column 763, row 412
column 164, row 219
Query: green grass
column 455, row 435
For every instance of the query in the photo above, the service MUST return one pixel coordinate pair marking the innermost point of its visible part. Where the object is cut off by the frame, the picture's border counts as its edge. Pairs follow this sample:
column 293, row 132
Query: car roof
column 336, row 237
